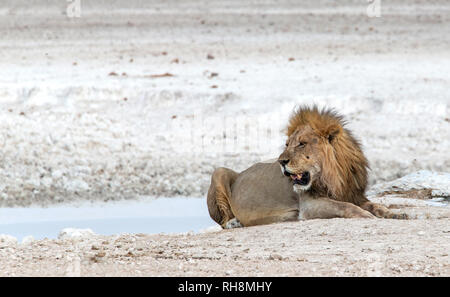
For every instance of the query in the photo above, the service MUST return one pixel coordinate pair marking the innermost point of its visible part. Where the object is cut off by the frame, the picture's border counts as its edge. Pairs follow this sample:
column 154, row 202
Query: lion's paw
column 400, row 216
column 233, row 223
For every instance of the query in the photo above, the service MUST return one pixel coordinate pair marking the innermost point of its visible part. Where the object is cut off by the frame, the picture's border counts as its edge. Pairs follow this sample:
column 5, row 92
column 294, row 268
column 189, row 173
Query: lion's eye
column 302, row 144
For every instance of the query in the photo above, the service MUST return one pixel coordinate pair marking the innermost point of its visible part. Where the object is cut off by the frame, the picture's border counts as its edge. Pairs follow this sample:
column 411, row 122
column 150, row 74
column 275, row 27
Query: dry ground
column 336, row 247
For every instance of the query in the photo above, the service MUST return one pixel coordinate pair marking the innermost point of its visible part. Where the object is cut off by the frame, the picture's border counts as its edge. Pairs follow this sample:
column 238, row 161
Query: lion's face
column 301, row 158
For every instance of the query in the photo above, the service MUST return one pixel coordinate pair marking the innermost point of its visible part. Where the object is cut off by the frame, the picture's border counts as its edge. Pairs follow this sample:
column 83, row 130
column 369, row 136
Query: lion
column 322, row 173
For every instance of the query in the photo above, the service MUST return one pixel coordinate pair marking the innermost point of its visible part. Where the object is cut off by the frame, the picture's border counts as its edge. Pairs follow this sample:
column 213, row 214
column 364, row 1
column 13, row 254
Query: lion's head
column 322, row 157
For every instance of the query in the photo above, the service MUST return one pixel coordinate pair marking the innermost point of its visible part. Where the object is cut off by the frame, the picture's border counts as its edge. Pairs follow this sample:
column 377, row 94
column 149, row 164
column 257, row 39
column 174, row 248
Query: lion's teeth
column 296, row 176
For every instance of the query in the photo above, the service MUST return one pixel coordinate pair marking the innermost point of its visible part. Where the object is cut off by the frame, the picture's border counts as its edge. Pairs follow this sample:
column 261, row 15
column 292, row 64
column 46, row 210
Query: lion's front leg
column 326, row 208
column 382, row 211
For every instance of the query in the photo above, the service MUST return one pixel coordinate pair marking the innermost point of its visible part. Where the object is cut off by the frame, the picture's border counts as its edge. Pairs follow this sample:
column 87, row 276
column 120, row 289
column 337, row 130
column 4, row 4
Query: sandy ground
column 337, row 247
column 137, row 98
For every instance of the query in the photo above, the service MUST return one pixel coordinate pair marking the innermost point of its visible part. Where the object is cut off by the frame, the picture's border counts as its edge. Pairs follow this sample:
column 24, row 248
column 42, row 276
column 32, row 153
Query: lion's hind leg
column 219, row 195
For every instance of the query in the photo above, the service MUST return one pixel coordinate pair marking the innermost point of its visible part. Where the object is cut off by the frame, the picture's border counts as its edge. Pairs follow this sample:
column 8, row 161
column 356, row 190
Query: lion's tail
column 219, row 195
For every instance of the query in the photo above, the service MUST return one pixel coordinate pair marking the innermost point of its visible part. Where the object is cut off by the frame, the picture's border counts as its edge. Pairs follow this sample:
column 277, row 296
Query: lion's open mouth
column 302, row 179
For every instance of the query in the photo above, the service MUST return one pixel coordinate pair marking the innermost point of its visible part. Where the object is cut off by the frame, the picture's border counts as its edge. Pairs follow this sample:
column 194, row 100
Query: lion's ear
column 332, row 133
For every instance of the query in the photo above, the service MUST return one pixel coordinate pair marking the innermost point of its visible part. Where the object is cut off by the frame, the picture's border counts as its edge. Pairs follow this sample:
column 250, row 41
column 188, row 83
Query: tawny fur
column 344, row 166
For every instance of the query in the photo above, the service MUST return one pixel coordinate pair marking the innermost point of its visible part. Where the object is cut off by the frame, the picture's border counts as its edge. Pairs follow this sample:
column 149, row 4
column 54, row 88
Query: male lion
column 323, row 175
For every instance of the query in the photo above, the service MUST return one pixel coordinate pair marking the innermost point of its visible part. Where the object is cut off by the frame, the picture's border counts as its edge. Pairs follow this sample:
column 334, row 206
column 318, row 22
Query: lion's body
column 327, row 152
column 262, row 195
column 249, row 196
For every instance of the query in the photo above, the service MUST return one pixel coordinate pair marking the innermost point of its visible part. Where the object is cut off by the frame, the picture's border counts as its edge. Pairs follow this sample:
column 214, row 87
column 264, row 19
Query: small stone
column 229, row 272
column 57, row 174
column 28, row 239
column 275, row 257
column 73, row 233
column 7, row 239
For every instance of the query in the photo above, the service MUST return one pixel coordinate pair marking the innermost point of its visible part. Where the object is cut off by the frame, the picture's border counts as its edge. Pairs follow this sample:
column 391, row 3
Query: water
column 439, row 201
column 147, row 215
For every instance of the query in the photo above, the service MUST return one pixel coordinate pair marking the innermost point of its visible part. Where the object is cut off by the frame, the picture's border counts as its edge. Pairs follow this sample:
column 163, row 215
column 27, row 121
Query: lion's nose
column 283, row 162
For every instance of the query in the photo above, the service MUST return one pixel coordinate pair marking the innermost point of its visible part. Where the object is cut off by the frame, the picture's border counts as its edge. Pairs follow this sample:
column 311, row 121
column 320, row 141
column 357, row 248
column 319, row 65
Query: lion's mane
column 344, row 166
